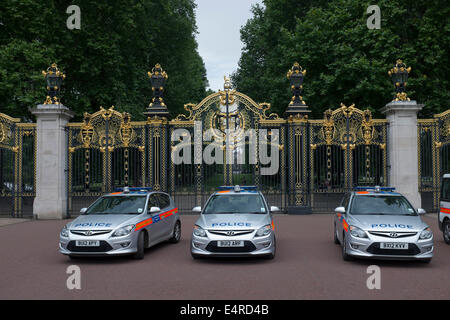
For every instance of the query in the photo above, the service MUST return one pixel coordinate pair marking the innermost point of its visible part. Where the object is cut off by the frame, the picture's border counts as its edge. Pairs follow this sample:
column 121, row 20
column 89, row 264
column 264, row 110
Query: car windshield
column 237, row 203
column 381, row 205
column 118, row 205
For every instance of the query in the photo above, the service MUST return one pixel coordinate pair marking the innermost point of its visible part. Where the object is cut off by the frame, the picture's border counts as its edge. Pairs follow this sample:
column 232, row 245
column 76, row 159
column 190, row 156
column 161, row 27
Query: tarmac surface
column 308, row 265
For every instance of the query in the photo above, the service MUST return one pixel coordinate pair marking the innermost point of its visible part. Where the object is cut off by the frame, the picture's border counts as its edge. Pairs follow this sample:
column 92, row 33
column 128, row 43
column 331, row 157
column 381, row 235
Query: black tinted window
column 445, row 195
column 345, row 201
column 153, row 201
column 164, row 200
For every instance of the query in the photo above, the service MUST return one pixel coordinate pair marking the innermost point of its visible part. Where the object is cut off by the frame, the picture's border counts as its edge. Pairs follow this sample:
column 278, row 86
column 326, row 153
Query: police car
column 376, row 222
column 120, row 223
column 236, row 221
column 444, row 208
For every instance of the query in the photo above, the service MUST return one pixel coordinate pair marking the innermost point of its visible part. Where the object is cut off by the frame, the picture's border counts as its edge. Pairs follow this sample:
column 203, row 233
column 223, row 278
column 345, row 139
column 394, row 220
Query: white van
column 444, row 208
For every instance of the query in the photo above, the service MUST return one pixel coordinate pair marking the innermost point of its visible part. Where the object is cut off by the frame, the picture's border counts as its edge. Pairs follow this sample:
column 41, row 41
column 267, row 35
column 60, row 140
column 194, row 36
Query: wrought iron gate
column 206, row 124
column 18, row 167
column 329, row 157
column 317, row 160
column 434, row 157
column 106, row 151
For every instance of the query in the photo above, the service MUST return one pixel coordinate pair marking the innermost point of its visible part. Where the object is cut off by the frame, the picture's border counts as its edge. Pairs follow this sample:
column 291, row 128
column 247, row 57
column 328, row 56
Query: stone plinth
column 402, row 148
column 51, row 161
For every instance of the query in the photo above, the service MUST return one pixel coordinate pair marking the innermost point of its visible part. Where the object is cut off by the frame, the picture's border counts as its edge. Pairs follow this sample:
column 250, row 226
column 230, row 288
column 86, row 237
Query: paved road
column 308, row 266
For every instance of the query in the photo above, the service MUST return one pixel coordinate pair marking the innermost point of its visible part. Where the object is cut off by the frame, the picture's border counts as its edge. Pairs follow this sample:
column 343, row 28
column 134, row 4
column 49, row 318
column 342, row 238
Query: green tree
column 345, row 61
column 106, row 61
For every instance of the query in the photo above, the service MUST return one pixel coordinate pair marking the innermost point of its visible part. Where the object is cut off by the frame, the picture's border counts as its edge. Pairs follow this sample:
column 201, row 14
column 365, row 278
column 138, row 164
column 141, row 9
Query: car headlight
column 124, row 231
column 357, row 232
column 65, row 232
column 264, row 231
column 199, row 231
column 426, row 234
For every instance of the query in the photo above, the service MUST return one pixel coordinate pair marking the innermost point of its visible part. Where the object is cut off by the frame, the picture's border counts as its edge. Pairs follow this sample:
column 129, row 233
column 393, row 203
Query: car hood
column 388, row 223
column 101, row 221
column 233, row 221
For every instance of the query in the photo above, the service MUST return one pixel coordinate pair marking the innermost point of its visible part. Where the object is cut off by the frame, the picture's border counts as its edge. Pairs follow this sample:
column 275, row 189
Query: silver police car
column 120, row 223
column 236, row 221
column 376, row 222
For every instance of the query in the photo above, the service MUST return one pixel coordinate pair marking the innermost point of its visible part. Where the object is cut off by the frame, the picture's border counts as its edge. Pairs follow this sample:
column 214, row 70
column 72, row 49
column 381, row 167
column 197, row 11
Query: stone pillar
column 402, row 148
column 51, row 161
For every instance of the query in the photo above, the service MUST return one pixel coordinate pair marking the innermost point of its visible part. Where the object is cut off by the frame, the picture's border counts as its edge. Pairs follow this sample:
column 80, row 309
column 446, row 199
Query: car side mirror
column 83, row 211
column 274, row 209
column 154, row 210
column 339, row 210
column 197, row 209
column 421, row 211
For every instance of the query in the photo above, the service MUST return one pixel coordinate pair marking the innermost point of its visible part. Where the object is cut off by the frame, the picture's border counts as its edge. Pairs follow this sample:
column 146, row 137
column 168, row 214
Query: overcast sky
column 219, row 41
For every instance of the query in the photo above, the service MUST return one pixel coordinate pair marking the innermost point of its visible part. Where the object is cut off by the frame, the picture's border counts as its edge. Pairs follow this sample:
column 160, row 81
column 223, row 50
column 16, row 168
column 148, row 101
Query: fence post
column 51, row 158
column 402, row 148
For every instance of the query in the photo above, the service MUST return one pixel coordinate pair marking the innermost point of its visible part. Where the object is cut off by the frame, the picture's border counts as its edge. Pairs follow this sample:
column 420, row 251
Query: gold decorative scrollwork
column 347, row 111
column 87, row 131
column 328, row 126
column 126, row 131
column 367, row 127
column 223, row 97
column 107, row 113
column 2, row 133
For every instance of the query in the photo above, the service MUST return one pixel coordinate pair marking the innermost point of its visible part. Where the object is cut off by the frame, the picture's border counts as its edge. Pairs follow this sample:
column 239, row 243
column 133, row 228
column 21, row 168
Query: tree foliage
column 345, row 61
column 106, row 61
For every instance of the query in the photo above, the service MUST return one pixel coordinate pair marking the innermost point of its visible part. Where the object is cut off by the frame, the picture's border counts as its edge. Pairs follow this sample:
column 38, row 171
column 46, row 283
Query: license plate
column 88, row 243
column 230, row 243
column 395, row 246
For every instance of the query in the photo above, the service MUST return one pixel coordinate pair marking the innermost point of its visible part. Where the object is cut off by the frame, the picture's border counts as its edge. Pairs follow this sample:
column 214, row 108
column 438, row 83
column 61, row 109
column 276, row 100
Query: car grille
column 412, row 250
column 248, row 247
column 394, row 235
column 104, row 247
column 231, row 233
column 89, row 232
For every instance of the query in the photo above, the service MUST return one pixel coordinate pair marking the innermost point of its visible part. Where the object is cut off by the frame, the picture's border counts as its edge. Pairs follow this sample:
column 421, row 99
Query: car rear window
column 381, row 205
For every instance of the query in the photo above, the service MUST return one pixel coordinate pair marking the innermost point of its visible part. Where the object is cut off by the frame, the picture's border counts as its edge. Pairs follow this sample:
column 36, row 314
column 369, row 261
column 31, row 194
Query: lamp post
column 297, row 106
column 158, row 79
column 399, row 76
column 54, row 78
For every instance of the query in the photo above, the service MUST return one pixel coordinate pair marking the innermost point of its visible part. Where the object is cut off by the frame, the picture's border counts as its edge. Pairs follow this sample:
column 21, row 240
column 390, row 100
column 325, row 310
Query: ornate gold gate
column 18, row 166
column 434, row 157
column 191, row 183
column 106, row 150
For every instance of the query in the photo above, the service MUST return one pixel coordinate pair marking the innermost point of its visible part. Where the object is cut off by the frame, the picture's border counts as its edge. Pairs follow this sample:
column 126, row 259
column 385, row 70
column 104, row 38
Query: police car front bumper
column 370, row 248
column 108, row 245
column 253, row 246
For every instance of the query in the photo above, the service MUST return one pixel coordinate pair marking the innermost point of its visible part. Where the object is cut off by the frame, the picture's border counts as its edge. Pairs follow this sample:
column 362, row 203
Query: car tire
column 176, row 233
column 446, row 231
column 426, row 260
column 336, row 239
column 345, row 255
column 74, row 257
column 140, row 247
